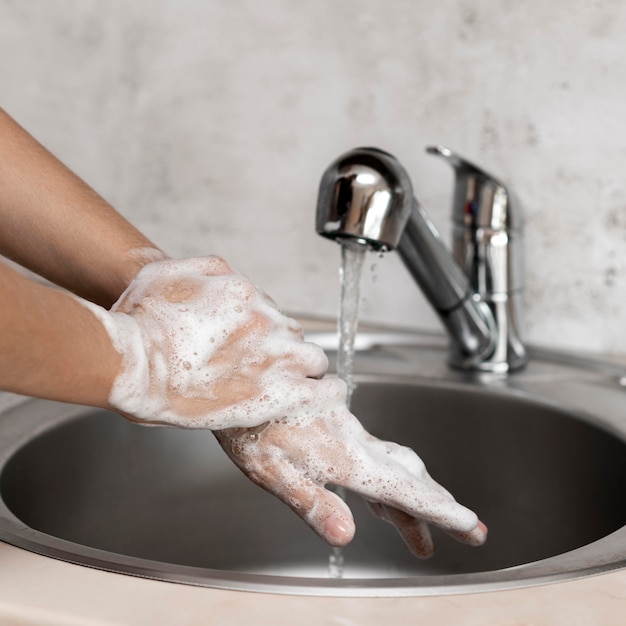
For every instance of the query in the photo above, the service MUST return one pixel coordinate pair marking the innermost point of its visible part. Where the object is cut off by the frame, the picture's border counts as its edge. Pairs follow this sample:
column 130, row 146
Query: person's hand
column 203, row 348
column 295, row 458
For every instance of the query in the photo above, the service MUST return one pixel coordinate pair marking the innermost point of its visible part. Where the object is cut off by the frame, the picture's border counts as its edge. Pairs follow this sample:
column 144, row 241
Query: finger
column 414, row 532
column 475, row 537
column 323, row 511
column 210, row 265
column 393, row 486
column 296, row 406
column 395, row 476
column 376, row 509
column 312, row 359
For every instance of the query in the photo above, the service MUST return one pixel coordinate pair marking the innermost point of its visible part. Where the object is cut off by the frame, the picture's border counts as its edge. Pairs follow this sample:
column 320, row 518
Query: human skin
column 59, row 228
column 67, row 345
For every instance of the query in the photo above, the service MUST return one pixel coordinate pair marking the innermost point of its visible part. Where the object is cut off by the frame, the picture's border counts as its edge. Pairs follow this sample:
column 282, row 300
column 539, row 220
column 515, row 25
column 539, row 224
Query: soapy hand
column 295, row 459
column 201, row 347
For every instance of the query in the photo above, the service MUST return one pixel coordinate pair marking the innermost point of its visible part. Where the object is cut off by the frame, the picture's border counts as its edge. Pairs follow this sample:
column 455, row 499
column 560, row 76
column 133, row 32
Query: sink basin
column 541, row 456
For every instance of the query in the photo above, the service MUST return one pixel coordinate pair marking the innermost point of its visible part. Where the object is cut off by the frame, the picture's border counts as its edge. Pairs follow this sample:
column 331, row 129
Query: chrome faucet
column 366, row 196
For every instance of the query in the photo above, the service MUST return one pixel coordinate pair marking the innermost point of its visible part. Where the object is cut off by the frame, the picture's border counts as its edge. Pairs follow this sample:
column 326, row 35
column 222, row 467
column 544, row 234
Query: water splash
column 352, row 257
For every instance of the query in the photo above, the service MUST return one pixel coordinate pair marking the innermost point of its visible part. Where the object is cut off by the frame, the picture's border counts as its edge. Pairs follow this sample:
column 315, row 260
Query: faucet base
column 508, row 353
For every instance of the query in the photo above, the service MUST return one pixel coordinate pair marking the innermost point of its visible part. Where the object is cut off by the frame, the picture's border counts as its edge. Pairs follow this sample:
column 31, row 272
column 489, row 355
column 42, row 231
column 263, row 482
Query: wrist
column 129, row 389
column 123, row 270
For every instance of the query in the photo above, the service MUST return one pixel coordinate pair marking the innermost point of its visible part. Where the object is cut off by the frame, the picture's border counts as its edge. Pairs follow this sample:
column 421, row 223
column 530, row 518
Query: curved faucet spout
column 366, row 195
column 468, row 321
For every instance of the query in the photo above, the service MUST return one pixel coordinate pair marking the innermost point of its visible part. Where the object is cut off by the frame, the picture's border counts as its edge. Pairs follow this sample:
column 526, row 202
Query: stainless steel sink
column 540, row 455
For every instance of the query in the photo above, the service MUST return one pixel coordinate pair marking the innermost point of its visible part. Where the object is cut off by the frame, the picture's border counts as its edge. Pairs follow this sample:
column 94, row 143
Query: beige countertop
column 37, row 590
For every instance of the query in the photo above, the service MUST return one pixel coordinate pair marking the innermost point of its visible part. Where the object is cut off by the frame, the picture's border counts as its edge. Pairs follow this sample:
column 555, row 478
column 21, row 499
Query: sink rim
column 601, row 556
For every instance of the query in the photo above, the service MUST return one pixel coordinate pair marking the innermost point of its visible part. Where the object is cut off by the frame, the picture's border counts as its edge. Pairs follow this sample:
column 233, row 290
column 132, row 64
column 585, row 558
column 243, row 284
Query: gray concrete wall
column 208, row 124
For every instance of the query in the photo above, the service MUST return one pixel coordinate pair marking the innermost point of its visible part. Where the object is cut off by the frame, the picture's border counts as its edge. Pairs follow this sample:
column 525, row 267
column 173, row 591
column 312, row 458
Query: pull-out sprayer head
column 365, row 195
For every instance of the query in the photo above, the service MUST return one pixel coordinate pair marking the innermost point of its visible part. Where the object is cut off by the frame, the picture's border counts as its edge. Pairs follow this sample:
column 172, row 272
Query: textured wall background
column 208, row 124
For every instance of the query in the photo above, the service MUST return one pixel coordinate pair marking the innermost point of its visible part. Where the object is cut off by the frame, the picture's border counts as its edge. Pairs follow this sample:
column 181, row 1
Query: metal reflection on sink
column 540, row 456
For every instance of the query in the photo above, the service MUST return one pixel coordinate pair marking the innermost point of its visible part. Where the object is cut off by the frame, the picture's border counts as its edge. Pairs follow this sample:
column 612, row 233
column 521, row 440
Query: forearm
column 55, row 225
column 51, row 345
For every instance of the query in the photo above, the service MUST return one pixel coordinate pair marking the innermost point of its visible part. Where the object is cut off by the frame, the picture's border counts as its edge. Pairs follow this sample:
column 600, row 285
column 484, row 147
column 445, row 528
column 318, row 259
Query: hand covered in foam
column 203, row 348
column 295, row 457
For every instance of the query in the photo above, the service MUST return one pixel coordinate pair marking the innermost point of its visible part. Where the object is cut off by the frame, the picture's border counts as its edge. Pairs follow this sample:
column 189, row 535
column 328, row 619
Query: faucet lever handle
column 480, row 199
column 487, row 237
column 455, row 160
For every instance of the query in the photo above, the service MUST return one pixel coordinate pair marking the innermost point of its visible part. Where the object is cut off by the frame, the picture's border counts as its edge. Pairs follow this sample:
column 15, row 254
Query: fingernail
column 337, row 531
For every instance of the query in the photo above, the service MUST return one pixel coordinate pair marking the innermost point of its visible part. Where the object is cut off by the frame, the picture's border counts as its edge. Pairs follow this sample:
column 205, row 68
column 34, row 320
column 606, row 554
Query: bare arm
column 52, row 346
column 51, row 222
column 58, row 227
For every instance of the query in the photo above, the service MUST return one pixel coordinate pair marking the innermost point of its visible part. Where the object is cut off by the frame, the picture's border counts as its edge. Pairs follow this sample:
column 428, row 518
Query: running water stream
column 352, row 257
